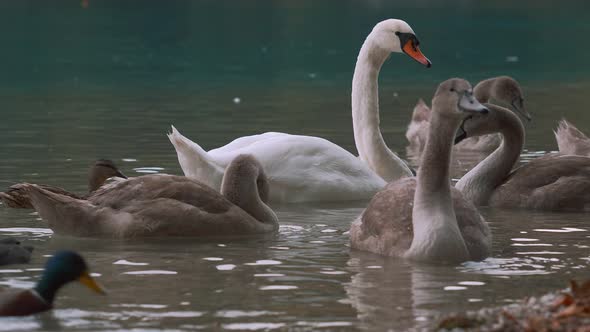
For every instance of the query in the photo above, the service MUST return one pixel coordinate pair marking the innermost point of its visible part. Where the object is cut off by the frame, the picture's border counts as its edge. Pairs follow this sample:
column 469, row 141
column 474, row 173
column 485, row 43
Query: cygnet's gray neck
column 243, row 192
column 479, row 184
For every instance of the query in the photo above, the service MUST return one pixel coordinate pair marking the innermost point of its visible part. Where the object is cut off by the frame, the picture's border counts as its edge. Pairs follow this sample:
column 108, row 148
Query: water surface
column 107, row 81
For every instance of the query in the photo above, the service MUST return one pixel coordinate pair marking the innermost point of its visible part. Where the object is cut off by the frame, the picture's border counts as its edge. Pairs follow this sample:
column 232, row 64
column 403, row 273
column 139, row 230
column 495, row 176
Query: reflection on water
column 108, row 80
column 410, row 293
column 303, row 277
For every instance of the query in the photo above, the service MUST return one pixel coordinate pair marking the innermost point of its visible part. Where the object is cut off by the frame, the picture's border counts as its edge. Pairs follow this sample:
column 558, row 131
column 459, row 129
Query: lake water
column 106, row 81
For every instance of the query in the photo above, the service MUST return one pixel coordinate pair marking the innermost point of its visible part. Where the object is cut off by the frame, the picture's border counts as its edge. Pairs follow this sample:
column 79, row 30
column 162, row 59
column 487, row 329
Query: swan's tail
column 569, row 138
column 64, row 214
column 421, row 111
column 15, row 197
column 417, row 131
column 194, row 161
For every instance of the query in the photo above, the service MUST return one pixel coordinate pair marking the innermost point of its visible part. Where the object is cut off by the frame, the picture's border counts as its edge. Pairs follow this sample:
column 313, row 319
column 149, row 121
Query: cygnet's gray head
column 454, row 97
column 503, row 89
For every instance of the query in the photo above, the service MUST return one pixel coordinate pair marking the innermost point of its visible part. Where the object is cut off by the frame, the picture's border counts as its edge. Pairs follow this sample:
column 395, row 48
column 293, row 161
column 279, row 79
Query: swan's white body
column 306, row 168
column 299, row 168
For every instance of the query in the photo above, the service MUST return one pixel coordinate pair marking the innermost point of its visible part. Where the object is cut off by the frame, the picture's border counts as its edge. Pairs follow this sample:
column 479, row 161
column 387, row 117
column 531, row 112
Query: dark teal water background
column 163, row 46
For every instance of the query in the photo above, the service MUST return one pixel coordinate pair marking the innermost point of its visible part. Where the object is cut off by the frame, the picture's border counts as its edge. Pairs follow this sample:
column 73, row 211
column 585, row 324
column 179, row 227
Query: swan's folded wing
column 554, row 182
column 546, row 170
column 386, row 223
column 150, row 187
column 474, row 229
column 169, row 217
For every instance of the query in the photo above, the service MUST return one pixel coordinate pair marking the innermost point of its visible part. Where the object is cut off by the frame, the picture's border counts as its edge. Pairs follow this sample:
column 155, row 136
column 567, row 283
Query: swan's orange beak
column 414, row 52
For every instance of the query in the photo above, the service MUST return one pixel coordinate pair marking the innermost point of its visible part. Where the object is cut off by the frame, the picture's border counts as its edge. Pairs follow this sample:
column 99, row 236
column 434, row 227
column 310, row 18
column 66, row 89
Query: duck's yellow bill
column 89, row 282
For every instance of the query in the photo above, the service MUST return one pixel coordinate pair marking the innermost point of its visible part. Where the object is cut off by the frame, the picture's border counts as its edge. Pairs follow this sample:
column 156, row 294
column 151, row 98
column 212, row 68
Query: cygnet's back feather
column 388, row 221
column 553, row 182
column 570, row 140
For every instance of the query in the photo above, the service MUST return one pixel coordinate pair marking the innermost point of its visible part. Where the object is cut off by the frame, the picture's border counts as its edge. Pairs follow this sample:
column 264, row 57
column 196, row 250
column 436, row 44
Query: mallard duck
column 12, row 252
column 102, row 170
column 164, row 205
column 62, row 268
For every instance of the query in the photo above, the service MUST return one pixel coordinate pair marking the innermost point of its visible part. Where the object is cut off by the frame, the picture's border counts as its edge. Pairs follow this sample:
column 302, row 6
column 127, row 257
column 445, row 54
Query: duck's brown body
column 17, row 199
column 101, row 171
column 21, row 303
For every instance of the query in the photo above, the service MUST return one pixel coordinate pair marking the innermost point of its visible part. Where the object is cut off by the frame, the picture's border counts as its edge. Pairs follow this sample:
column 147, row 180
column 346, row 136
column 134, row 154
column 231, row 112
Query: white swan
column 554, row 182
column 426, row 219
column 306, row 168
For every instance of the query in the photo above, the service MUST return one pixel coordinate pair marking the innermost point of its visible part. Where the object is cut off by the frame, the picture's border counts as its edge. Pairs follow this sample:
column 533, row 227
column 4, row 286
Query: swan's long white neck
column 365, row 115
column 436, row 234
column 479, row 184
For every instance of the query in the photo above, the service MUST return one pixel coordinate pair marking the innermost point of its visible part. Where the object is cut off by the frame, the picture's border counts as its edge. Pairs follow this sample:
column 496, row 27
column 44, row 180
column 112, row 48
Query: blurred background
column 89, row 79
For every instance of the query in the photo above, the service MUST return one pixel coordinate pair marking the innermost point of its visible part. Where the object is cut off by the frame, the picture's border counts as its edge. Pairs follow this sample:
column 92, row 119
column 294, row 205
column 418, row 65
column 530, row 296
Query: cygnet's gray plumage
column 424, row 218
column 570, row 140
column 553, row 182
column 164, row 205
column 501, row 90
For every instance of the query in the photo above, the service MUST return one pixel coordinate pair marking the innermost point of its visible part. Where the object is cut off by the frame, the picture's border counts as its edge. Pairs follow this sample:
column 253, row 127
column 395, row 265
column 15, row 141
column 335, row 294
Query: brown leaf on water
column 568, row 312
column 565, row 300
column 580, row 301
column 583, row 329
column 459, row 322
column 535, row 324
column 509, row 316
column 580, row 291
column 572, row 310
column 555, row 325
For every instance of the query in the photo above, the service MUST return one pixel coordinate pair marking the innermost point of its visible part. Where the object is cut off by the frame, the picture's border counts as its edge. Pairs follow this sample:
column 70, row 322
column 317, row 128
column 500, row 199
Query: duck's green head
column 63, row 267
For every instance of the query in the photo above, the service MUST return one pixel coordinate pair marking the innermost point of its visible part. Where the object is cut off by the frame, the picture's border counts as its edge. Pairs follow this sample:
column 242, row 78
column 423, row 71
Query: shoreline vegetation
column 566, row 310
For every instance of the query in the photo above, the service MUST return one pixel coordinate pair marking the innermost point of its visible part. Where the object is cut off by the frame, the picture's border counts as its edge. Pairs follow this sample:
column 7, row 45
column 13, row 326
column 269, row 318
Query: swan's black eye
column 452, row 89
column 397, row 33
